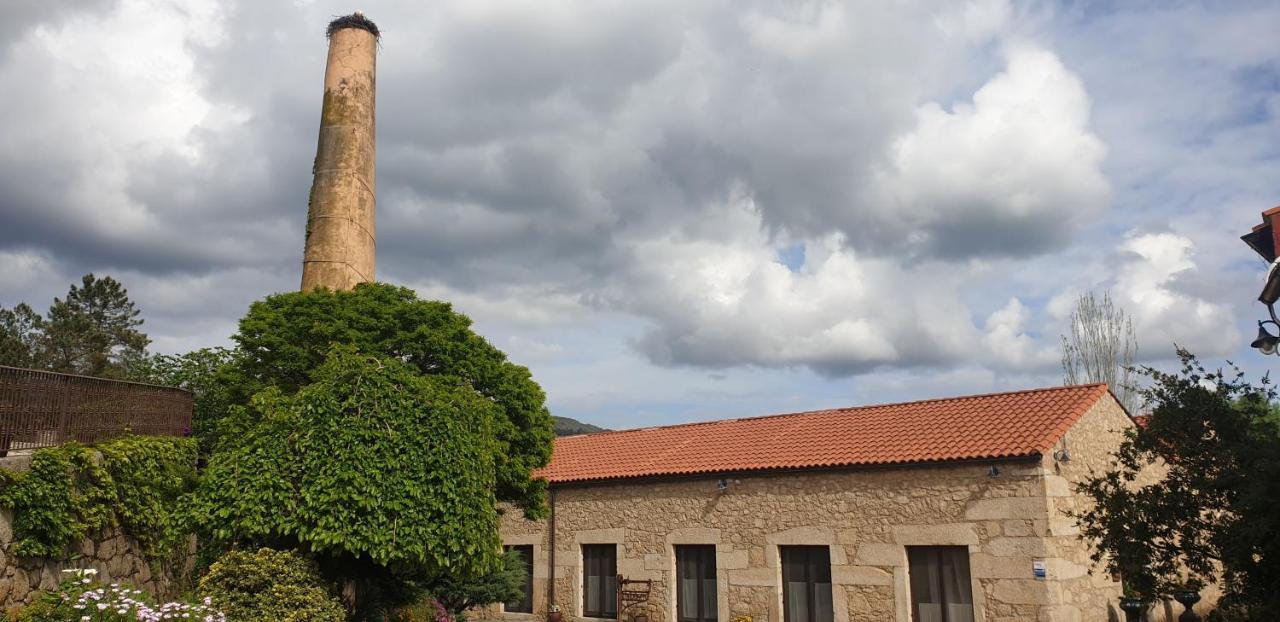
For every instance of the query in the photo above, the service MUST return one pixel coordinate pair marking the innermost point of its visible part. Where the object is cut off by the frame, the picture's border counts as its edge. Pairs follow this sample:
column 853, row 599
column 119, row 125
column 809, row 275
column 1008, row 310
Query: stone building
column 950, row 510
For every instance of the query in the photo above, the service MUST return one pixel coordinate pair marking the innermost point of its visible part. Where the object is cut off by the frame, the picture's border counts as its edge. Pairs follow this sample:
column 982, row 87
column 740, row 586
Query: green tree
column 286, row 337
column 1193, row 491
column 383, row 474
column 21, row 331
column 198, row 371
column 93, row 331
column 459, row 592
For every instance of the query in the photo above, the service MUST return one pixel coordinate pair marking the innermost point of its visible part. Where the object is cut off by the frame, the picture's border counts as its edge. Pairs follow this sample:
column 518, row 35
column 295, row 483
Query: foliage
column 81, row 599
column 458, row 592
column 64, row 496
column 426, row 610
column 20, row 332
column 93, row 331
column 150, row 475
column 1194, row 491
column 1101, row 348
column 68, row 493
column 270, row 586
column 198, row 371
column 373, row 467
column 286, row 337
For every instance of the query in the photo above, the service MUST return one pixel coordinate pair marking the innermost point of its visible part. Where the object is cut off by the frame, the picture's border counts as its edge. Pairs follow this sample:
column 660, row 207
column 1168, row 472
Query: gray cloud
column 937, row 161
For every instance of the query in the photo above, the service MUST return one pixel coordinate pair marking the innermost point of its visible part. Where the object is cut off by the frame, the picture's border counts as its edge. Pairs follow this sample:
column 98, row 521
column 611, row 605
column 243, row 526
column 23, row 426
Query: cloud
column 608, row 187
column 1017, row 171
column 730, row 301
column 1148, row 287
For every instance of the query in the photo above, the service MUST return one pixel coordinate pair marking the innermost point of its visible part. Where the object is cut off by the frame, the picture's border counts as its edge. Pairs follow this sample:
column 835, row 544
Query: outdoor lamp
column 1266, row 342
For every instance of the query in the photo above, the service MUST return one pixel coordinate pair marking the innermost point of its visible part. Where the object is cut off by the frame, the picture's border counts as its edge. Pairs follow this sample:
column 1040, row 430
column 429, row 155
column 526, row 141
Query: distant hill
column 565, row 426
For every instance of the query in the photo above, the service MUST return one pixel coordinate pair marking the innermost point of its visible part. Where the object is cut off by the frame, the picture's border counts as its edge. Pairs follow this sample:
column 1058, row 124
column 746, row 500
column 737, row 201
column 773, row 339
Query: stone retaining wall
column 117, row 558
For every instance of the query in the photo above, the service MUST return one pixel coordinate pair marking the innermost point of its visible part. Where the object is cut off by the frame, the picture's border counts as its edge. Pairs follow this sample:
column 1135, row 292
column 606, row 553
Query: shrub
column 270, row 586
column 427, row 610
column 82, row 600
column 459, row 592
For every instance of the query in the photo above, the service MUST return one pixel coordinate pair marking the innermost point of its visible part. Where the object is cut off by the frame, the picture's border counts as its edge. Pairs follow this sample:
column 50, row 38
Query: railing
column 43, row 409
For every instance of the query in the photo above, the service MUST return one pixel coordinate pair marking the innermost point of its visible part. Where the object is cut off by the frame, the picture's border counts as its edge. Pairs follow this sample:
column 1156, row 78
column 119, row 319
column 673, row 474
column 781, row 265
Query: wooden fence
column 43, row 409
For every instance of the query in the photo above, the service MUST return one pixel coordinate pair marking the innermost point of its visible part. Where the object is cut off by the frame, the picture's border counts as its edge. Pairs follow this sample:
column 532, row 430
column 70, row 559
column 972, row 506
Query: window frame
column 610, row 610
column 813, row 555
column 525, row 605
column 704, row 559
column 935, row 552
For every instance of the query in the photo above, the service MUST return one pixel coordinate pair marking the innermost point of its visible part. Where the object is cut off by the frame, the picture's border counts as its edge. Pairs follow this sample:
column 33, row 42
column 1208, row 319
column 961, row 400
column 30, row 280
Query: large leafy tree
column 1191, row 495
column 285, row 337
column 372, row 430
column 383, row 474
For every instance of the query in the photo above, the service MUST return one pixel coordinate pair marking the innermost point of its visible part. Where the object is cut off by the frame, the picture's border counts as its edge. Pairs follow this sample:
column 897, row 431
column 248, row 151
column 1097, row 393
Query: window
column 806, row 584
column 696, row 583
column 525, row 603
column 600, row 580
column 940, row 588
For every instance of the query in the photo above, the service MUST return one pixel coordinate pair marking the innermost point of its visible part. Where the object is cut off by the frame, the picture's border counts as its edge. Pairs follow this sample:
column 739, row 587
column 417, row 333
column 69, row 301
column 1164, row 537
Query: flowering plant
column 80, row 600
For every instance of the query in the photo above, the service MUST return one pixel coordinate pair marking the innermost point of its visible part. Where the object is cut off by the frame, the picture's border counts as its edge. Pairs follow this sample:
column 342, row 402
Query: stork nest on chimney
column 355, row 20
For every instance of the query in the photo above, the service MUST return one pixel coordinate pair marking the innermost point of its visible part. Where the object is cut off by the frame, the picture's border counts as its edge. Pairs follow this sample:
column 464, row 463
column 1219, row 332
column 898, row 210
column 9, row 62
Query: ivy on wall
column 71, row 491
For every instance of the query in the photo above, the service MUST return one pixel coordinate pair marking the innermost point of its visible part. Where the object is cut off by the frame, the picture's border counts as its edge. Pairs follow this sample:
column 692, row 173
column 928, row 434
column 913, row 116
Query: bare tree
column 1101, row 348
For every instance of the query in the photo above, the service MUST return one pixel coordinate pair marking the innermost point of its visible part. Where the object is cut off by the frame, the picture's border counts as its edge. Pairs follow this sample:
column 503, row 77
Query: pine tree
column 93, row 331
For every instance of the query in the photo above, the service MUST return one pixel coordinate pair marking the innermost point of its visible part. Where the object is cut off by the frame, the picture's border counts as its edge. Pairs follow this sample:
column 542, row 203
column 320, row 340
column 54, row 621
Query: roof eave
column 768, row 472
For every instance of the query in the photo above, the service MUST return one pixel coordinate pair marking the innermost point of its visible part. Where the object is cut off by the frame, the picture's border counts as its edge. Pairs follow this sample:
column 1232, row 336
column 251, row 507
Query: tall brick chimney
column 340, row 241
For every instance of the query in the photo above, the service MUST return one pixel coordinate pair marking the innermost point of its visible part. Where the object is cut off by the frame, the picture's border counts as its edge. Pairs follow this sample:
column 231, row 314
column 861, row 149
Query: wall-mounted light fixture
column 1265, row 240
column 1062, row 455
column 994, row 471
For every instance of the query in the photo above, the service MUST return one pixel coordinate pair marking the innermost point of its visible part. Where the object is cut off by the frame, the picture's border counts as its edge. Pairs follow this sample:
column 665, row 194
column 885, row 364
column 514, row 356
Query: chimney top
column 355, row 20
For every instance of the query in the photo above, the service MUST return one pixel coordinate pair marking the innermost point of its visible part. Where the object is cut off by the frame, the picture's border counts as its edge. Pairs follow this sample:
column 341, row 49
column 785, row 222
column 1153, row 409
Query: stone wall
column 116, row 557
column 1087, row 448
column 1008, row 521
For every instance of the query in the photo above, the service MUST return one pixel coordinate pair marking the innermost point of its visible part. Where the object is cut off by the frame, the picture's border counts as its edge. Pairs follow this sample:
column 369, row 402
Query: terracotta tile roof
column 1001, row 425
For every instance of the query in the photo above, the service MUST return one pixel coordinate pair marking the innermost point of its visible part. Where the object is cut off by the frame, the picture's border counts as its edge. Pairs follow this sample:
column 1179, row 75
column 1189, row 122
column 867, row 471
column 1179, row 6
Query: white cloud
column 1020, row 160
column 1007, row 338
column 1147, row 287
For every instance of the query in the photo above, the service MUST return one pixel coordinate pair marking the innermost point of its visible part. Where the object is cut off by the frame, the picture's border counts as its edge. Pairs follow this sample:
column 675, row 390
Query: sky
column 674, row 210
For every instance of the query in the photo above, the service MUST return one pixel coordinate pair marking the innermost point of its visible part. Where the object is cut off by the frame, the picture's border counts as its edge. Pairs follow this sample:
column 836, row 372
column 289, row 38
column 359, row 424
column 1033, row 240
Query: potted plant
column 553, row 613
